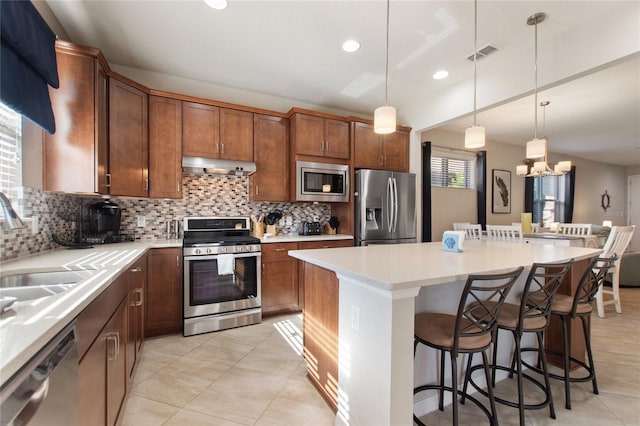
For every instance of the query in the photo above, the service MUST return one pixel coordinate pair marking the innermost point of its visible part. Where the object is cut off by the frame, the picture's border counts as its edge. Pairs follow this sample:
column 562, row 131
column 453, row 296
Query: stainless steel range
column 222, row 266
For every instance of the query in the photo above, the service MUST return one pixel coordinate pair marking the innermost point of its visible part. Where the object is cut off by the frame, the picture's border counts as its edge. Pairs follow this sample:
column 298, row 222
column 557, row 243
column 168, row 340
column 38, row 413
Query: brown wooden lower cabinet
column 136, row 298
column 279, row 278
column 320, row 330
column 163, row 307
column 282, row 287
column 102, row 372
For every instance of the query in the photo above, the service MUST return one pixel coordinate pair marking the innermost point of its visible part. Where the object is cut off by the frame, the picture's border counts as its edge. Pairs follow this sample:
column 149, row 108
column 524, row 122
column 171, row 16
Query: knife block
column 271, row 229
column 258, row 229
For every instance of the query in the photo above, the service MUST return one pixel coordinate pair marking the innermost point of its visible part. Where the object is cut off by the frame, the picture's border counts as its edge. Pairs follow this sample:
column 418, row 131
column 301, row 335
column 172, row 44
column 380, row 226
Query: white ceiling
column 291, row 49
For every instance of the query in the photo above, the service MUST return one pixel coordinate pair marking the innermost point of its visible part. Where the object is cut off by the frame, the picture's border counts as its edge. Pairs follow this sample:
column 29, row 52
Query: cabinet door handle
column 178, row 186
column 108, row 176
column 114, row 337
column 280, row 249
column 217, row 148
column 146, row 184
column 140, row 300
column 326, row 146
column 222, row 148
column 257, row 190
column 178, row 261
column 136, row 269
column 326, row 246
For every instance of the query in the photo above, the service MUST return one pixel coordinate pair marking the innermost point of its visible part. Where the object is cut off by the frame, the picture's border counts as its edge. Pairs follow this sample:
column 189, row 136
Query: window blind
column 454, row 169
column 10, row 155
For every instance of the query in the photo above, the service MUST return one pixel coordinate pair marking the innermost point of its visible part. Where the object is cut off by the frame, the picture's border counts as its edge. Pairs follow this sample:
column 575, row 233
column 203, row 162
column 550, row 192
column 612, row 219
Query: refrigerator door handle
column 390, row 204
column 395, row 204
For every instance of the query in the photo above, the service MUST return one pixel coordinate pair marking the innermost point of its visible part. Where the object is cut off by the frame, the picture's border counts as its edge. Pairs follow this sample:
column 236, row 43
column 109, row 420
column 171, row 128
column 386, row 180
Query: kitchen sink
column 37, row 284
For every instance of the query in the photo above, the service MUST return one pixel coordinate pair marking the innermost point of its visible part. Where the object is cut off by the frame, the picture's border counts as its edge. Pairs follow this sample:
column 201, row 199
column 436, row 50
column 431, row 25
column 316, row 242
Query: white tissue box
column 453, row 241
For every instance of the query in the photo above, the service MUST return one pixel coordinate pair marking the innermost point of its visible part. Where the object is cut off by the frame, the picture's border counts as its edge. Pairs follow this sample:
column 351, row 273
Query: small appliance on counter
column 310, row 228
column 104, row 224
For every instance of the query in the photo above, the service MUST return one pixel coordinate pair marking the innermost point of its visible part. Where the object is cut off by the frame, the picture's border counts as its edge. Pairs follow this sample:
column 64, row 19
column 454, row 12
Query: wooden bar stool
column 531, row 315
column 579, row 306
column 470, row 330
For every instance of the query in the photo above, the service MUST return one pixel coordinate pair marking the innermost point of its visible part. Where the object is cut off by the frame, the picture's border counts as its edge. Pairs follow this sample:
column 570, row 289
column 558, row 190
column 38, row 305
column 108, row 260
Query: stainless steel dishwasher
column 45, row 390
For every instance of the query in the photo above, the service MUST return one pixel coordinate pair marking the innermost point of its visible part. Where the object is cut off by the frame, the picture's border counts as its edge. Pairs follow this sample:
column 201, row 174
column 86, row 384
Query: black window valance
column 27, row 62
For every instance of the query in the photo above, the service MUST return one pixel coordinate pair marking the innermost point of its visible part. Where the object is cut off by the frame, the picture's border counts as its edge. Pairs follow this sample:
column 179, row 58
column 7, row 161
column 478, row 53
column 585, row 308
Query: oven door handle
column 215, row 256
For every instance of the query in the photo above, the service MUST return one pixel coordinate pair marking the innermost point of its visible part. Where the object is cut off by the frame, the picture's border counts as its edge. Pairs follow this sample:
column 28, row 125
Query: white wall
column 451, row 205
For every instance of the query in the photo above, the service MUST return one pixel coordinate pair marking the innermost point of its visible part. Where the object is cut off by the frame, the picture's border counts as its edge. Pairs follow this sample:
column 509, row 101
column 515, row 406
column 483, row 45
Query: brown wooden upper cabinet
column 75, row 157
column 165, row 147
column 213, row 132
column 383, row 152
column 319, row 136
column 270, row 182
column 128, row 140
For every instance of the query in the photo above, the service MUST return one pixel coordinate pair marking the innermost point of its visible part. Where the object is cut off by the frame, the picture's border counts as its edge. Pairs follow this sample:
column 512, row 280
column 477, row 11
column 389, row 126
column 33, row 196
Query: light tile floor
column 256, row 376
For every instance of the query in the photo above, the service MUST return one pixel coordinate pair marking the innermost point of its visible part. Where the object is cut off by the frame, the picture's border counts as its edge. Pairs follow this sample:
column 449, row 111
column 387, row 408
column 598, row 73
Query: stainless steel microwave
column 322, row 182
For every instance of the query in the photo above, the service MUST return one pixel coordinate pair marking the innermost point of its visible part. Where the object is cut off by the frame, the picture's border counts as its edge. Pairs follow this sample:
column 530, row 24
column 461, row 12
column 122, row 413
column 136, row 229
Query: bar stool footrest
column 507, row 402
column 460, row 393
column 589, row 377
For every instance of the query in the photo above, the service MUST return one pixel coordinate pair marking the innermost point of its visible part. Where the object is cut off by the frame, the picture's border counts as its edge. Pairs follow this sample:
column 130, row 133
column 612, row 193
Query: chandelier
column 537, row 148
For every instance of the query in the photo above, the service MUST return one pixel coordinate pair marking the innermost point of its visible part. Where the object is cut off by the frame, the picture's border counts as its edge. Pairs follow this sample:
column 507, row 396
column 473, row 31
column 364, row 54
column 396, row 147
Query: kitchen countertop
column 27, row 326
column 400, row 266
column 297, row 238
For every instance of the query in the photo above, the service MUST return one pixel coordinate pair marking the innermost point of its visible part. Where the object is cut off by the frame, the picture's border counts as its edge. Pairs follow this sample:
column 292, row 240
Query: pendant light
column 537, row 147
column 384, row 117
column 474, row 136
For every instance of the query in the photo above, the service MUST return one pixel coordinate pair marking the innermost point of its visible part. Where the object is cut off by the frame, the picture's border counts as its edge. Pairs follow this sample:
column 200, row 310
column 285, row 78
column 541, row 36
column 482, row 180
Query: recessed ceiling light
column 350, row 46
column 216, row 4
column 439, row 75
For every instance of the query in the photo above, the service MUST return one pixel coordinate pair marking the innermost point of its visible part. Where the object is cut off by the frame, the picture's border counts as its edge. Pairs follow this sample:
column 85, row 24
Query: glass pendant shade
column 522, row 170
column 537, row 148
column 564, row 166
column 539, row 167
column 474, row 137
column 384, row 120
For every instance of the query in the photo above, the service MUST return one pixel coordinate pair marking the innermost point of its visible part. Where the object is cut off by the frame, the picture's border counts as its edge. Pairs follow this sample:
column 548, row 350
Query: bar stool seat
column 470, row 330
column 532, row 315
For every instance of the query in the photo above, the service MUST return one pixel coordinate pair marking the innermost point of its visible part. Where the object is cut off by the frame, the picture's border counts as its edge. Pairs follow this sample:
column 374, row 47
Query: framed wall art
column 501, row 194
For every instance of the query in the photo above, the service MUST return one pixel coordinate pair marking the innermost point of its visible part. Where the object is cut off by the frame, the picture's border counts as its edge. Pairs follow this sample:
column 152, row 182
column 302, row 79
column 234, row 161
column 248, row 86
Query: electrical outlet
column 355, row 318
column 34, row 225
column 141, row 221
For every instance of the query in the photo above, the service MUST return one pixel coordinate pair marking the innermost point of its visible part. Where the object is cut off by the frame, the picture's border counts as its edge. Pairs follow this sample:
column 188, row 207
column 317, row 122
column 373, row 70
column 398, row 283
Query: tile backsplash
column 203, row 196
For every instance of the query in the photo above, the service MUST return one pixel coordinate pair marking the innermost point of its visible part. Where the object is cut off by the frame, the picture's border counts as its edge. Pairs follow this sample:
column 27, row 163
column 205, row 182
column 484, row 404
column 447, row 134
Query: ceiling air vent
column 485, row 51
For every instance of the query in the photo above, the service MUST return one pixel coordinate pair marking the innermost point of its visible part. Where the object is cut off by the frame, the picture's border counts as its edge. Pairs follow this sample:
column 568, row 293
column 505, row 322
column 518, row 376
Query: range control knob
column 209, row 251
column 223, row 249
column 198, row 251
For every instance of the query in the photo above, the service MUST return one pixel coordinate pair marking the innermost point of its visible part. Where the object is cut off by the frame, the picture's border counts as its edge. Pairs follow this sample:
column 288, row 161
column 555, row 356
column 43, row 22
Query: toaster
column 310, row 228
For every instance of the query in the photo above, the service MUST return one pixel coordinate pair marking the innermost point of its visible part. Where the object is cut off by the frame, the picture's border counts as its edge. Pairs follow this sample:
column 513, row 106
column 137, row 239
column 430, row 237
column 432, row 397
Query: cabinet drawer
column 324, row 244
column 93, row 318
column 276, row 251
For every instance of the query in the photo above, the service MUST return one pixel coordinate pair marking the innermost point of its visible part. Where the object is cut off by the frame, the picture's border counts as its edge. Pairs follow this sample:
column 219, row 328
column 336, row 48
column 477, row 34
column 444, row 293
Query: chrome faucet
column 11, row 218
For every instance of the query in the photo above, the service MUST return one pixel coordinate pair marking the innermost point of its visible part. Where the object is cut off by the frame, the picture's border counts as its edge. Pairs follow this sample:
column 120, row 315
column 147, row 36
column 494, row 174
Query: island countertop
column 401, row 266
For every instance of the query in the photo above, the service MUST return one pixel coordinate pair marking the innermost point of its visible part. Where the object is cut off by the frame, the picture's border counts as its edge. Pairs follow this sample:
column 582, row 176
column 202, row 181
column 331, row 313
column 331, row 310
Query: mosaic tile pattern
column 204, row 196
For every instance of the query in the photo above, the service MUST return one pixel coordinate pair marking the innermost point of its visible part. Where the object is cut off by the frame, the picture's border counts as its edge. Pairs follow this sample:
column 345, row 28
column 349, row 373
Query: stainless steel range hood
column 212, row 166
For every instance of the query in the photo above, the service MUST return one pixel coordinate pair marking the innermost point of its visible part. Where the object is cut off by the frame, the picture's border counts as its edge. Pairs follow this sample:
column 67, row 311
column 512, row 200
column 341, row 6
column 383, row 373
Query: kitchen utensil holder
column 258, row 229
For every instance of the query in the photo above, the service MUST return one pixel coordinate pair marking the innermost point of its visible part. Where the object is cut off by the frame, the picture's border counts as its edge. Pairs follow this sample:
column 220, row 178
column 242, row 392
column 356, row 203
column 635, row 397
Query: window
column 11, row 156
column 549, row 199
column 453, row 169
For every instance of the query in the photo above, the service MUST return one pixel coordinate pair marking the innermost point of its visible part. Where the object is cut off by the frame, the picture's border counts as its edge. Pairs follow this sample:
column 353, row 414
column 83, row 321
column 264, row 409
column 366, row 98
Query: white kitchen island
column 381, row 287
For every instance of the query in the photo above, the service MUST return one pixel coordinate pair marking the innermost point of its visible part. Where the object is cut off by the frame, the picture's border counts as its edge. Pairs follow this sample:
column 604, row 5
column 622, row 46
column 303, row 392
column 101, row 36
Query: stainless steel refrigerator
column 385, row 207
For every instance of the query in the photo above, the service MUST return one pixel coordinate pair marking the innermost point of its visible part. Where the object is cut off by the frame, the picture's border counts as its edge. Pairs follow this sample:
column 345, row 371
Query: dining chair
column 574, row 228
column 472, row 231
column 508, row 233
column 616, row 244
column 531, row 315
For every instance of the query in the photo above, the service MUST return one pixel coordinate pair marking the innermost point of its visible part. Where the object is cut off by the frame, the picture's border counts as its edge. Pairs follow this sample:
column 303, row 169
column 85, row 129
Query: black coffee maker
column 104, row 219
